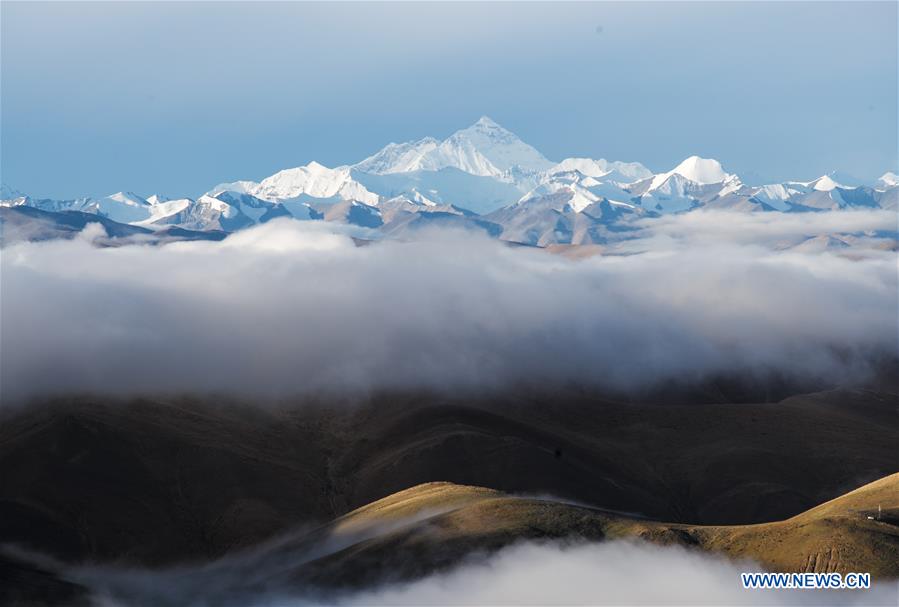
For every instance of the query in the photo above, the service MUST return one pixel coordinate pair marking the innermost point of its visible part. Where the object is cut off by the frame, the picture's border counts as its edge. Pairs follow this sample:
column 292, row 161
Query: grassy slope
column 835, row 536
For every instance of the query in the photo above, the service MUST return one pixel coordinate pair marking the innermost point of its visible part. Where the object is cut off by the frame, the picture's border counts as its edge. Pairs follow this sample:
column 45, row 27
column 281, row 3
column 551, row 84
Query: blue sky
column 176, row 97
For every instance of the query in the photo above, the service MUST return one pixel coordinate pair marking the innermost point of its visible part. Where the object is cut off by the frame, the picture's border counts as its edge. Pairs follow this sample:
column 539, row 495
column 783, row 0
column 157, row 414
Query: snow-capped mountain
column 8, row 193
column 483, row 177
column 620, row 172
column 887, row 180
column 398, row 157
column 825, row 183
column 778, row 195
column 164, row 211
column 477, row 193
column 484, row 148
column 565, row 215
column 123, row 207
column 691, row 184
column 238, row 187
column 694, row 169
column 313, row 180
column 676, row 193
column 582, row 190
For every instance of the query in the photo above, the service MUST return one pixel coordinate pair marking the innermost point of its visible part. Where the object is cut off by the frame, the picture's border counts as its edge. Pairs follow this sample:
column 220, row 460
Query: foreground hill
column 158, row 481
column 431, row 527
column 858, row 531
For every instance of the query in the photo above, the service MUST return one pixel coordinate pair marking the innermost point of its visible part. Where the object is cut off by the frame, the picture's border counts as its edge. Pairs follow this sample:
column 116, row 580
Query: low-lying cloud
column 612, row 573
column 771, row 230
column 527, row 573
column 291, row 308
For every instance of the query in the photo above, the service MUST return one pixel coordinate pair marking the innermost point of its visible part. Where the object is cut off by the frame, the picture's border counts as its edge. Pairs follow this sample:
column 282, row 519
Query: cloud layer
column 528, row 573
column 291, row 308
column 611, row 573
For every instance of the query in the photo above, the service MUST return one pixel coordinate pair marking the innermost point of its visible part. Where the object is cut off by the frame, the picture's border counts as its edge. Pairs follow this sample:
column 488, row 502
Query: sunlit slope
column 836, row 536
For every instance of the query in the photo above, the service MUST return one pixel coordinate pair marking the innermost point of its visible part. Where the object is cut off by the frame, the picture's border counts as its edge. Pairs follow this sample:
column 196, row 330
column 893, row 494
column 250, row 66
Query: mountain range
column 483, row 177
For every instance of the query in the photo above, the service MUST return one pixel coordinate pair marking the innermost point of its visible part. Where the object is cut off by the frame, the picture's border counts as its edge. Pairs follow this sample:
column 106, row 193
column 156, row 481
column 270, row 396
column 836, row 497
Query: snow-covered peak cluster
column 483, row 176
column 314, row 181
column 621, row 172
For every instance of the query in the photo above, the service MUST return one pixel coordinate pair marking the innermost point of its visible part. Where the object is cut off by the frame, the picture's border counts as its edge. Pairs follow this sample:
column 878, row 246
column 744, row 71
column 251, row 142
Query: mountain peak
column 129, row 198
column 625, row 172
column 826, row 183
column 484, row 148
column 8, row 193
column 316, row 167
column 888, row 179
column 701, row 170
column 158, row 199
column 490, row 142
column 487, row 128
column 486, row 121
column 696, row 169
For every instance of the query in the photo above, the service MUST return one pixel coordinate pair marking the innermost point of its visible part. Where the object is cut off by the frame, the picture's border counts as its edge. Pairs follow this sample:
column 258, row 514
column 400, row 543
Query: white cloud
column 527, row 573
column 291, row 307
column 706, row 228
column 611, row 573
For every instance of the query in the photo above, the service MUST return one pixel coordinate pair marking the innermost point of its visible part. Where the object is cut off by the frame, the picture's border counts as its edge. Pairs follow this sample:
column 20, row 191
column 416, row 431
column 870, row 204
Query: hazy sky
column 176, row 97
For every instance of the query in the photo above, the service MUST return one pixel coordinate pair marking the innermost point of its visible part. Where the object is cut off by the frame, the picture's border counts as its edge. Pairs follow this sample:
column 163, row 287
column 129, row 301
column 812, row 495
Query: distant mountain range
column 483, row 177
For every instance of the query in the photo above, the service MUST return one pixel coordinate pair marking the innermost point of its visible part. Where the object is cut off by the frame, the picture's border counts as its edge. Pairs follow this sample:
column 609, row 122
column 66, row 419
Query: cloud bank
column 528, row 573
column 611, row 573
column 292, row 308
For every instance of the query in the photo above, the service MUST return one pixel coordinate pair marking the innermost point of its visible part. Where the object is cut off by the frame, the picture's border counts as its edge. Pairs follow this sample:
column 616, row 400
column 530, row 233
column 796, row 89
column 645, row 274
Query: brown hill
column 431, row 527
column 154, row 482
column 835, row 536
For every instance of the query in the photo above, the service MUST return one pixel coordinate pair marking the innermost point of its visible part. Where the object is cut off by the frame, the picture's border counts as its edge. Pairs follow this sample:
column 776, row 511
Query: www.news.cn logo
column 818, row 581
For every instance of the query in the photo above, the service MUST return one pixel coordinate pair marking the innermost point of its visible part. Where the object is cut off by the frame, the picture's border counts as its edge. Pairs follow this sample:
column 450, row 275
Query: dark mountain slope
column 155, row 482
